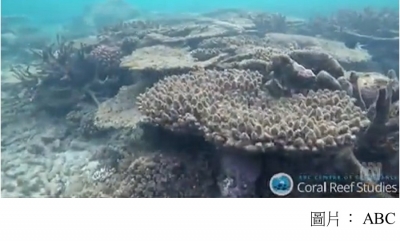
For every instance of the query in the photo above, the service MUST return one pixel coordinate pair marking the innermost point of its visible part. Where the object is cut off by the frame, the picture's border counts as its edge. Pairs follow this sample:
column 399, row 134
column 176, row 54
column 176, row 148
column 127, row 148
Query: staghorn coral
column 68, row 75
column 58, row 83
column 230, row 109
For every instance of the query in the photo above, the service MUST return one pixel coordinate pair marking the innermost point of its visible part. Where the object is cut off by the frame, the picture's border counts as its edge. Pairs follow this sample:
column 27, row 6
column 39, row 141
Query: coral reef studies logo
column 281, row 184
column 371, row 171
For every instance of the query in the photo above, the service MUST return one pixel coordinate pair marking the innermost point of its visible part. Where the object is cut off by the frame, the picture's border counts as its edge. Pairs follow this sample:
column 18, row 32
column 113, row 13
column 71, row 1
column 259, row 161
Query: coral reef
column 199, row 105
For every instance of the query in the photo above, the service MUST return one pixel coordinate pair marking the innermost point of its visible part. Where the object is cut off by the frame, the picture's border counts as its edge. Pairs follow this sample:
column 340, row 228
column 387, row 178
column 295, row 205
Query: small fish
column 359, row 46
column 354, row 45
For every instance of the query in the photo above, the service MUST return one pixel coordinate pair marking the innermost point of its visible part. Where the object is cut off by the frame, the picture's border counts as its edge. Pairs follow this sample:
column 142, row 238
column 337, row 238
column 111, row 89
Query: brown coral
column 229, row 108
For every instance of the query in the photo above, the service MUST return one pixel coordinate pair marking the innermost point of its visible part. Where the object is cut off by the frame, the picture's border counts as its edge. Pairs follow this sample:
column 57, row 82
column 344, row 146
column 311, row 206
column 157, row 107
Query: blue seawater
column 53, row 11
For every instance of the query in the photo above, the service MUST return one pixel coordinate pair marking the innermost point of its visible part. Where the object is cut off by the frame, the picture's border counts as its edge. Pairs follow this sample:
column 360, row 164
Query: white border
column 191, row 219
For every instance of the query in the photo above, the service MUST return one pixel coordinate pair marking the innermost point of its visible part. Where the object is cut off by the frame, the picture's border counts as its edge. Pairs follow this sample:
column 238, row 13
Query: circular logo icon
column 281, row 184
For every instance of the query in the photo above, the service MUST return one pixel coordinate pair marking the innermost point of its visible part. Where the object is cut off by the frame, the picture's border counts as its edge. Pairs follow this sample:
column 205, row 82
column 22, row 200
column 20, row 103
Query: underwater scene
column 199, row 99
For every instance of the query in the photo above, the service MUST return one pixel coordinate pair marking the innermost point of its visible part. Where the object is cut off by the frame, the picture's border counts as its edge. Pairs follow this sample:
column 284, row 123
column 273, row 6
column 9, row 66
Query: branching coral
column 51, row 84
column 67, row 74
